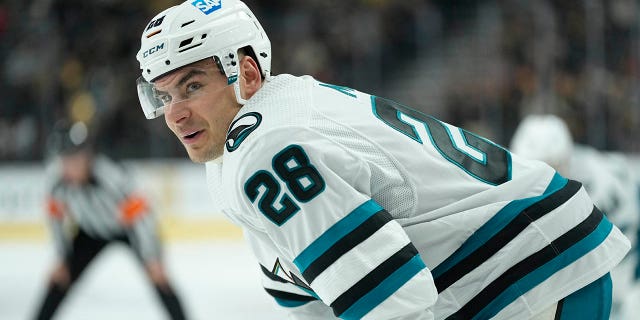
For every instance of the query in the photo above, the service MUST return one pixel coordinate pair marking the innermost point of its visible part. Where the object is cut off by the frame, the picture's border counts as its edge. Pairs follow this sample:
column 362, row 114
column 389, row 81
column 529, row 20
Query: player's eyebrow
column 192, row 73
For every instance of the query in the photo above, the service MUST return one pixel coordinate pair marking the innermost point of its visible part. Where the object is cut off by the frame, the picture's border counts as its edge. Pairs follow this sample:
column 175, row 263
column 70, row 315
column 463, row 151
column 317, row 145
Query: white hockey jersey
column 358, row 207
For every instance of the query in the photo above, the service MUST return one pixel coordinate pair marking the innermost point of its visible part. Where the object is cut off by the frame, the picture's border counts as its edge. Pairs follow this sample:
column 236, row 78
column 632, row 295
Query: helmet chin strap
column 236, row 89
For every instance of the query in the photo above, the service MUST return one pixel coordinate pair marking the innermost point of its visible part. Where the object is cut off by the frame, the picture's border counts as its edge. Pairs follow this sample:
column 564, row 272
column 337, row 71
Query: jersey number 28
column 302, row 179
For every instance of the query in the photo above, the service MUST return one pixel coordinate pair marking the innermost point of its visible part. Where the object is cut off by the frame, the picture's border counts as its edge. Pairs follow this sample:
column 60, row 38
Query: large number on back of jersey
column 477, row 156
column 302, row 179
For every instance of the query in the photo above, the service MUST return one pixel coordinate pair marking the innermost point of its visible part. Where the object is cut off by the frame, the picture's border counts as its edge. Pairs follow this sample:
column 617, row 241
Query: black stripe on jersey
column 373, row 279
column 508, row 233
column 348, row 242
column 559, row 309
column 275, row 277
column 529, row 264
column 288, row 295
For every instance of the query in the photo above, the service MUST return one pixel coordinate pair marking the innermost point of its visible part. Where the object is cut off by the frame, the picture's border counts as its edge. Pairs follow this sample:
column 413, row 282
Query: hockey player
column 608, row 179
column 356, row 206
column 92, row 203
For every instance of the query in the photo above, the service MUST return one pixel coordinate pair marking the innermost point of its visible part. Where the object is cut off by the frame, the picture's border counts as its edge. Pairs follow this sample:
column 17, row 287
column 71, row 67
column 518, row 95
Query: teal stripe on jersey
column 591, row 302
column 495, row 224
column 541, row 274
column 385, row 289
column 335, row 233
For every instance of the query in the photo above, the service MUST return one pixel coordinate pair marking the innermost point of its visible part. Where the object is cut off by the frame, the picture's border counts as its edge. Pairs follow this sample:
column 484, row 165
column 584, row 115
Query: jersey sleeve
column 312, row 197
column 290, row 294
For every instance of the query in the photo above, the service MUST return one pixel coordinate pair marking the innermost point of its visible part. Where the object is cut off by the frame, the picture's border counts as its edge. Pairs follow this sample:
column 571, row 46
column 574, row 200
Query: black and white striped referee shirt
column 106, row 207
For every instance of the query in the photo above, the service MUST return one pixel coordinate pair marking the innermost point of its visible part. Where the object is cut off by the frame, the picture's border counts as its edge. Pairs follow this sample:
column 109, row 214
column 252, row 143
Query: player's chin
column 196, row 157
column 201, row 155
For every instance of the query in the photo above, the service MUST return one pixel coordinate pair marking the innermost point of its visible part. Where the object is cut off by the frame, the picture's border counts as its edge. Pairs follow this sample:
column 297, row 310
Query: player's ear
column 250, row 76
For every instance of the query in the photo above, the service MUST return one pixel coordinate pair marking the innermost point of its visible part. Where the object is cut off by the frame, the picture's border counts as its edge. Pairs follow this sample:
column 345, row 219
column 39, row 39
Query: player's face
column 202, row 108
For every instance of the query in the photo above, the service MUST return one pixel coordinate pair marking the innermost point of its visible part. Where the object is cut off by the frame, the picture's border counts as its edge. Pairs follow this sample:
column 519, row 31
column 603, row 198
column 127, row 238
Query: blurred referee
column 91, row 204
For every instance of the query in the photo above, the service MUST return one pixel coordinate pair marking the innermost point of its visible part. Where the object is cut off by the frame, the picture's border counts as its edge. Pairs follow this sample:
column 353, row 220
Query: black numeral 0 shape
column 302, row 179
column 496, row 167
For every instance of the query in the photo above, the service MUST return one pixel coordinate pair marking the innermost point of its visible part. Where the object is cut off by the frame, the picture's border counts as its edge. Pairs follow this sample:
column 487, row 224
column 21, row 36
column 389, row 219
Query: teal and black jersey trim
column 288, row 299
column 503, row 227
column 345, row 90
column 381, row 282
column 363, row 221
column 346, row 243
column 537, row 268
column 591, row 302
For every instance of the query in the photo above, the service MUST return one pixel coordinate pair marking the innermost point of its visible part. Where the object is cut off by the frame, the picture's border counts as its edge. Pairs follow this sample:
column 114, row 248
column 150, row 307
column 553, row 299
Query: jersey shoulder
column 282, row 103
column 287, row 101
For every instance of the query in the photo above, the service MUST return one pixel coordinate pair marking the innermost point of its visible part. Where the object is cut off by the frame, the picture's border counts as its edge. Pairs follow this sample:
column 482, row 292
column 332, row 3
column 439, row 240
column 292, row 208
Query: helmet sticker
column 155, row 23
column 241, row 128
column 207, row 6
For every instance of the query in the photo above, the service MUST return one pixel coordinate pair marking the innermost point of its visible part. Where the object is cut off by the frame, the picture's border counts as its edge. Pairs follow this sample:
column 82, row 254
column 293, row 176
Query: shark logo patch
column 241, row 128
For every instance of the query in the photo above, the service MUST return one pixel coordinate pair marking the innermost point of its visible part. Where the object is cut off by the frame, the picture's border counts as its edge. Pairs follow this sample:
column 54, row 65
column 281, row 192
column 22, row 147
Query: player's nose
column 177, row 112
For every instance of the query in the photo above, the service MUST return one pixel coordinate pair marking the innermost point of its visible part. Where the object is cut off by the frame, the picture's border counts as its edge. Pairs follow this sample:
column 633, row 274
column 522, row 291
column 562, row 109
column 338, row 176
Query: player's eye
column 192, row 87
column 164, row 98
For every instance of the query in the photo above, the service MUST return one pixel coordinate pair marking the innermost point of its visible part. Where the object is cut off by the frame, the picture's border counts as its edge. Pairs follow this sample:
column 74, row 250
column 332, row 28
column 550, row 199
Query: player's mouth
column 191, row 137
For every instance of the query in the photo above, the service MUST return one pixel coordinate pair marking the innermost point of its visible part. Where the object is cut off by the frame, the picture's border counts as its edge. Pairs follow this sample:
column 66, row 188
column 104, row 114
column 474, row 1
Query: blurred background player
column 91, row 204
column 608, row 179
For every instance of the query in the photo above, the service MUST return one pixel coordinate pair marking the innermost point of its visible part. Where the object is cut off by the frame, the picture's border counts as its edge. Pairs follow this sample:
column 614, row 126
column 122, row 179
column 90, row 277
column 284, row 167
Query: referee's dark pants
column 85, row 249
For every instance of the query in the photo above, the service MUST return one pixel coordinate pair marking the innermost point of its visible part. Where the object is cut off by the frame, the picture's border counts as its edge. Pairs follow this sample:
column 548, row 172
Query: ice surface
column 215, row 280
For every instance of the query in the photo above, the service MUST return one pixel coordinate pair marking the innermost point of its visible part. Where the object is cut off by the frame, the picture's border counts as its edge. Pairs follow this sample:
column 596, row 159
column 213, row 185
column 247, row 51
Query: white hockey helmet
column 193, row 31
column 546, row 138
